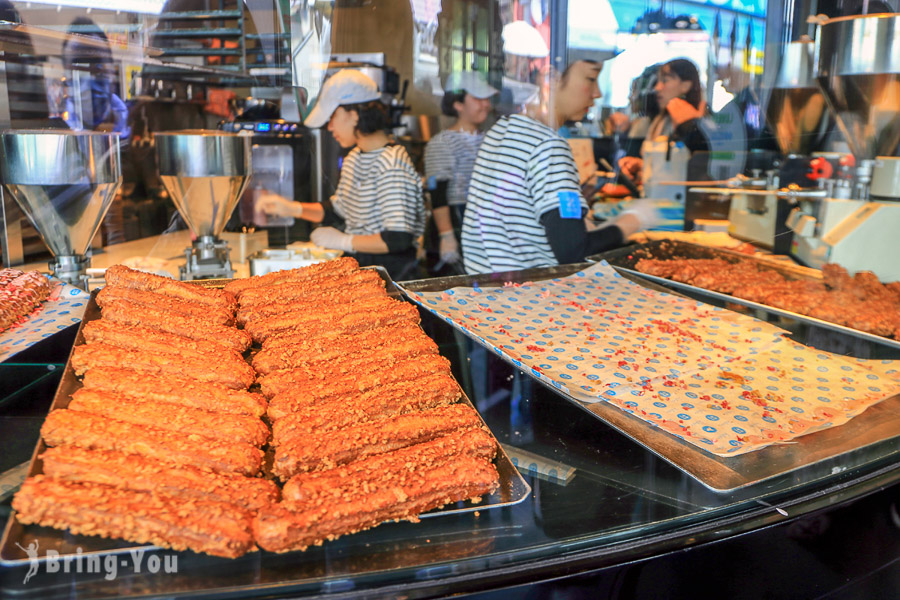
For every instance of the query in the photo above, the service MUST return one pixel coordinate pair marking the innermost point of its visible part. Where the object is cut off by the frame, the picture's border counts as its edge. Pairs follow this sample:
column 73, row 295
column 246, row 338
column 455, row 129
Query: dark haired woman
column 379, row 194
column 450, row 156
column 674, row 135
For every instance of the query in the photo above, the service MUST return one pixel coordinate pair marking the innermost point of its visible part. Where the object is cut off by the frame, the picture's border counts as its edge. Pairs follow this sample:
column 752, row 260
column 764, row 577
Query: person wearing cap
column 379, row 194
column 450, row 156
column 525, row 208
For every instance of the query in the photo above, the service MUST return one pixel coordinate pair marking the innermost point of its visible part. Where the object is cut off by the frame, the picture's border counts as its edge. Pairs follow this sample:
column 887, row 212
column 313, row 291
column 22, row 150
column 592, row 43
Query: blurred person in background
column 86, row 50
column 449, row 159
column 674, row 136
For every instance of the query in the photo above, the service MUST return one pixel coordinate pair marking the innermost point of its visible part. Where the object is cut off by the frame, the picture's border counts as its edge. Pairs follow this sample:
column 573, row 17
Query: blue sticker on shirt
column 431, row 183
column 569, row 205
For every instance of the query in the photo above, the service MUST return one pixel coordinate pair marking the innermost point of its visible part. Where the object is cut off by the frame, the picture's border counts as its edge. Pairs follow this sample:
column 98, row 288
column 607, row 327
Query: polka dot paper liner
column 64, row 307
column 723, row 381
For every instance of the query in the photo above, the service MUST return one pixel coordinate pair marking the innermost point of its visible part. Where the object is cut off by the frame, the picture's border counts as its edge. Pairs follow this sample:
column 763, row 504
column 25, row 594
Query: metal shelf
column 195, row 33
column 200, row 15
column 201, row 52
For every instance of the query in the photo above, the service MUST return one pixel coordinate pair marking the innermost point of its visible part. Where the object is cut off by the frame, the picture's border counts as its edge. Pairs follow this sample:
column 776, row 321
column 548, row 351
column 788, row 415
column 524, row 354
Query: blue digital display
column 263, row 127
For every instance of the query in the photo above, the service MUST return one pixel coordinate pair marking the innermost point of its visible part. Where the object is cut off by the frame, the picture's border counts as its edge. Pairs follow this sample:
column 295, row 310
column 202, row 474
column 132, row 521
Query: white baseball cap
column 471, row 82
column 347, row 86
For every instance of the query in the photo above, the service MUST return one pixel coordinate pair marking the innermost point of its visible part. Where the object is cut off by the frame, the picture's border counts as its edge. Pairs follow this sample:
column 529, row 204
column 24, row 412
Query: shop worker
column 450, row 156
column 525, row 207
column 676, row 148
column 378, row 200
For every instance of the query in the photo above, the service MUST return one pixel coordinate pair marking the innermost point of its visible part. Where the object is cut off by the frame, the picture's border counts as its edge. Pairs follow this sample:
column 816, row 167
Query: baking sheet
column 16, row 536
column 626, row 258
column 63, row 308
column 720, row 473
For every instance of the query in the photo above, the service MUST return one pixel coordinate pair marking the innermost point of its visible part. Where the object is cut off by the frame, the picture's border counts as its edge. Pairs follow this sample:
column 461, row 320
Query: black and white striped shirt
column 380, row 191
column 450, row 156
column 521, row 169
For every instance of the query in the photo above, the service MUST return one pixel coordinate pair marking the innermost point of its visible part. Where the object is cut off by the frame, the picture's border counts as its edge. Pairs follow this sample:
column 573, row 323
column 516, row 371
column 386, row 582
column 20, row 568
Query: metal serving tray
column 16, row 536
column 865, row 439
column 625, row 259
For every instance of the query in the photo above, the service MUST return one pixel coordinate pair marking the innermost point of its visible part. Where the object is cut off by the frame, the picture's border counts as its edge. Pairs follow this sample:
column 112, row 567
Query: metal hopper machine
column 205, row 173
column 64, row 181
column 798, row 118
column 856, row 224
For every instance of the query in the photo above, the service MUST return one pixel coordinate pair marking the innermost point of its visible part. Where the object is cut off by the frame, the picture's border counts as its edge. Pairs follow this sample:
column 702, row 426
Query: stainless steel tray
column 867, row 438
column 624, row 259
column 16, row 536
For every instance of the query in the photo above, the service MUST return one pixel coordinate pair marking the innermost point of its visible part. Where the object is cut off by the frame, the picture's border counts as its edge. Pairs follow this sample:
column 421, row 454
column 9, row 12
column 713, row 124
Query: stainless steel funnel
column 796, row 112
column 859, row 73
column 205, row 172
column 64, row 181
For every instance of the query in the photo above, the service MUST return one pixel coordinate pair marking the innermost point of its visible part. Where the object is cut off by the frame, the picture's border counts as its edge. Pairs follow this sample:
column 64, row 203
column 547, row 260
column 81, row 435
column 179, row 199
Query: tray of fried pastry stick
column 859, row 306
column 349, row 398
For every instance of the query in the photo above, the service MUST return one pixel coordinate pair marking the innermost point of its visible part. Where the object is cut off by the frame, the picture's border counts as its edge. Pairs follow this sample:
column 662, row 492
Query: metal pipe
column 779, row 193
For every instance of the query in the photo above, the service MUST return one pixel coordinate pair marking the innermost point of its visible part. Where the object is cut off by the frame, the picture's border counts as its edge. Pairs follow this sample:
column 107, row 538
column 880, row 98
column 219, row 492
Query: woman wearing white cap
column 450, row 156
column 525, row 208
column 379, row 194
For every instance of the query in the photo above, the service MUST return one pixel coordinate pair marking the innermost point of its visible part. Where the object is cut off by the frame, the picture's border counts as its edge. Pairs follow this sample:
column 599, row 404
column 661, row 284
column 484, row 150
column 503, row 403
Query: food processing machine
column 855, row 224
column 64, row 182
column 205, row 173
column 797, row 115
column 849, row 210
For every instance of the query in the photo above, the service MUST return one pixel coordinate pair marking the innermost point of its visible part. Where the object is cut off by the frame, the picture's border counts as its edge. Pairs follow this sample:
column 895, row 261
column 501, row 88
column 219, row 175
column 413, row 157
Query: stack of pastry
column 364, row 413
column 20, row 293
column 163, row 442
column 861, row 301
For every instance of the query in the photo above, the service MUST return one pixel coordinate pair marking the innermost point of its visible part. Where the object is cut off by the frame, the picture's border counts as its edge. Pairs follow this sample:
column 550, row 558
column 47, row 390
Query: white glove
column 449, row 247
column 329, row 237
column 273, row 204
column 640, row 214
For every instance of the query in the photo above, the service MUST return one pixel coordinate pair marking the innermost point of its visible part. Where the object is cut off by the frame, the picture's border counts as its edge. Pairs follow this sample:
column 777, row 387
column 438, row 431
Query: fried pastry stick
column 188, row 308
column 325, row 298
column 174, row 389
column 381, row 470
column 135, row 337
column 305, row 394
column 377, row 403
column 120, row 275
column 180, row 419
column 330, row 339
column 348, row 318
column 214, row 528
column 129, row 313
column 142, row 474
column 95, row 432
column 338, row 266
column 326, row 450
column 370, row 341
column 360, row 367
column 233, row 374
column 309, row 289
column 283, row 527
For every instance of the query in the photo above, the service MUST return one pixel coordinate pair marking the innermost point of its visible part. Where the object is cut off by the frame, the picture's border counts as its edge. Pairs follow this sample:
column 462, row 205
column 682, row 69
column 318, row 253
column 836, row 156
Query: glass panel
column 746, row 111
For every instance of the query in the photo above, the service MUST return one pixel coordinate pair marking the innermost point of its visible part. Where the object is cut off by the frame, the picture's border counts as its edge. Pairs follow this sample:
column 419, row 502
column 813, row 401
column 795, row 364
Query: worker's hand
column 683, row 111
column 640, row 214
column 329, row 237
column 274, row 204
column 632, row 166
column 449, row 247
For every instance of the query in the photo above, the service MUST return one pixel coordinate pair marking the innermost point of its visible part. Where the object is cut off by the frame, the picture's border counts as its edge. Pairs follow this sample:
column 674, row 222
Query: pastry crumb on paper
column 723, row 381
